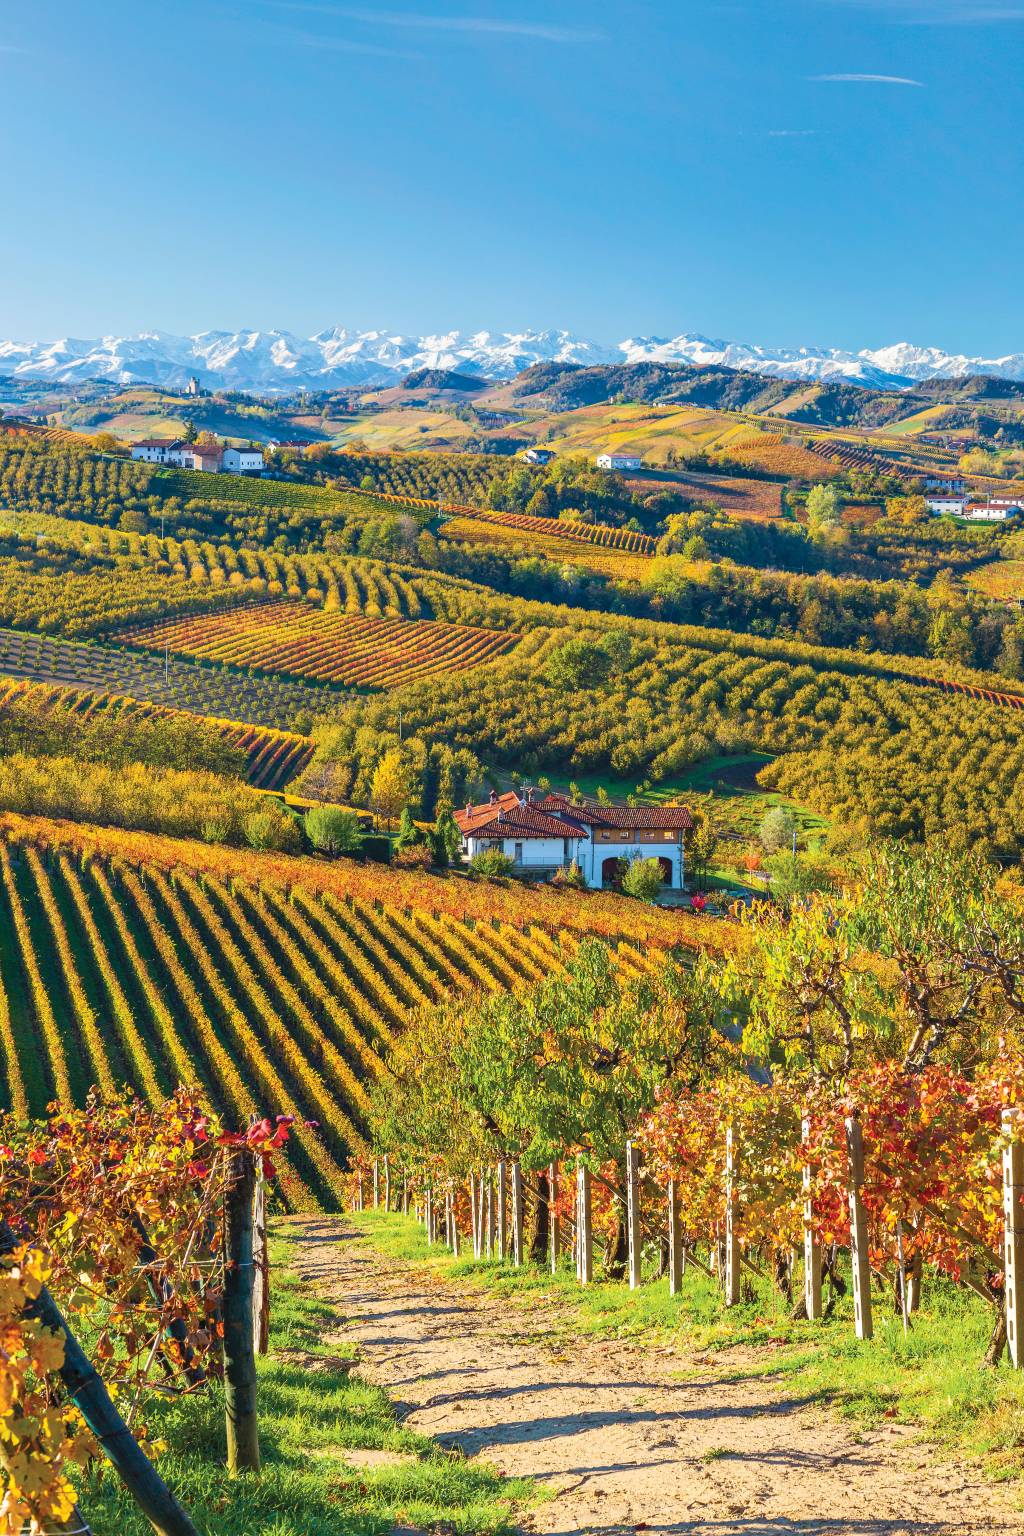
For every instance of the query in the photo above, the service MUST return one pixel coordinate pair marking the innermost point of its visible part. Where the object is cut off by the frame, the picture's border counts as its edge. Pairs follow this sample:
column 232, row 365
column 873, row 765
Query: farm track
column 611, row 1432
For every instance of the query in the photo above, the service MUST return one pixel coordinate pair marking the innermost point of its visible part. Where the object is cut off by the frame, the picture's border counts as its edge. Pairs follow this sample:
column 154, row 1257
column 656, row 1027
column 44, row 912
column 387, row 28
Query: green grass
column 932, row 1378
column 312, row 1410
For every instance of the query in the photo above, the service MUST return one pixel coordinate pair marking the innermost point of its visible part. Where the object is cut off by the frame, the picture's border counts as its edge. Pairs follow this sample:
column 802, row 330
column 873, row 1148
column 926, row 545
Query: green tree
column 446, row 841
column 409, row 834
column 822, row 508
column 778, row 826
column 332, row 830
column 643, row 879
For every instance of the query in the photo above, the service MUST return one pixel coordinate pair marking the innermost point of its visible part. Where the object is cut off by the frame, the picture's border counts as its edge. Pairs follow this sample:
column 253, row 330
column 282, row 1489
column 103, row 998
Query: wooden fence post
column 858, row 1230
column 1013, row 1218
column 502, row 1209
column 812, row 1248
column 359, row 1194
column 387, row 1183
column 260, row 1271
column 633, row 1213
column 732, row 1238
column 455, row 1224
column 584, row 1226
column 517, row 1213
column 376, row 1184
column 675, row 1240
column 239, row 1350
column 428, row 1214
column 554, row 1220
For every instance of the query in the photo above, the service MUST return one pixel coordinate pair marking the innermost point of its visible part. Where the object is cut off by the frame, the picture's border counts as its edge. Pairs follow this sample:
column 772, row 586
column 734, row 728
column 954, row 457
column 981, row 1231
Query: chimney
column 530, row 794
column 494, row 797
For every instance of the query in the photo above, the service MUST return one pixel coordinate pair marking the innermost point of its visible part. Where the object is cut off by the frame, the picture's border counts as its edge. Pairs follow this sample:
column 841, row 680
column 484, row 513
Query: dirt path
column 621, row 1444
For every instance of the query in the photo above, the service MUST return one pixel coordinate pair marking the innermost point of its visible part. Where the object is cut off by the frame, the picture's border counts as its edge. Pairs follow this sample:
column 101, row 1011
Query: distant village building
column 619, row 461
column 947, row 505
column 193, row 387
column 209, row 457
column 953, row 485
column 538, row 455
column 540, row 836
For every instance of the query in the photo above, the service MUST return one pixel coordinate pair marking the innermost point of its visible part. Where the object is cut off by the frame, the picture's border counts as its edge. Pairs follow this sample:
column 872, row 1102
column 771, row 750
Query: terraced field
column 273, row 758
column 347, row 649
column 201, row 690
column 272, row 994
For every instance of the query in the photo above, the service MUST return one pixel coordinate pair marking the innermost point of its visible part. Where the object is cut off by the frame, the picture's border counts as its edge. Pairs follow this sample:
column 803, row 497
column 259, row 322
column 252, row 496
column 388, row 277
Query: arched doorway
column 611, row 872
column 666, row 869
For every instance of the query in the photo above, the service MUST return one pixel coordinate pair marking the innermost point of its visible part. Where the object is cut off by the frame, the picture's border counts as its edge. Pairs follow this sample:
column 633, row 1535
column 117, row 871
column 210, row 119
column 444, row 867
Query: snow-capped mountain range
column 272, row 362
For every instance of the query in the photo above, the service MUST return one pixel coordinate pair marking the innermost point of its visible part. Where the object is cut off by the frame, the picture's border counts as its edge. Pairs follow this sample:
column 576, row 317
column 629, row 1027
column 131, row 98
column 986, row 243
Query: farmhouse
column 952, row 485
column 946, row 505
column 211, row 457
column 541, row 836
column 619, row 461
column 538, row 455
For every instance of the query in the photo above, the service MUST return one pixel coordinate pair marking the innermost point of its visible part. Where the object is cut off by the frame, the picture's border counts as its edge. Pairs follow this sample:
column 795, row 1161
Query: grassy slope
column 931, row 1378
column 311, row 1412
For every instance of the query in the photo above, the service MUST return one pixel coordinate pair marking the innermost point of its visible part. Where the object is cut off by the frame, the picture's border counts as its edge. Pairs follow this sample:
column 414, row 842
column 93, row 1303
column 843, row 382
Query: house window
column 518, row 853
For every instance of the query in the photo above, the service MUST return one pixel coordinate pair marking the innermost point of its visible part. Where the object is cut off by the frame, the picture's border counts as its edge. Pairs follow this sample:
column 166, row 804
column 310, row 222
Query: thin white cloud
column 866, row 80
column 471, row 25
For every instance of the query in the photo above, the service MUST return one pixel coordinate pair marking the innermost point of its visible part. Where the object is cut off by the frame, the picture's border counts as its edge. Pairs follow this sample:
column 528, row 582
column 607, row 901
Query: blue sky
column 843, row 172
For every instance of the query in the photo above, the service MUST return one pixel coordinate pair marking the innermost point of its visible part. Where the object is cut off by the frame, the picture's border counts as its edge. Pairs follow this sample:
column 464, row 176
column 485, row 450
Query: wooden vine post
column 517, row 1213
column 554, row 1220
column 474, row 1215
column 1013, row 1221
column 732, row 1238
column 859, row 1256
column 260, row 1271
column 387, row 1183
column 675, row 1240
column 376, row 1184
column 428, row 1215
column 812, row 1248
column 633, row 1234
column 584, row 1226
column 239, row 1276
column 490, row 1230
column 502, row 1209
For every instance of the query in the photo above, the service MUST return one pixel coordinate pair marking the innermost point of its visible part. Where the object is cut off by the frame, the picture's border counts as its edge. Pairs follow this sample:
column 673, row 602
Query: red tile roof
column 507, row 816
column 647, row 818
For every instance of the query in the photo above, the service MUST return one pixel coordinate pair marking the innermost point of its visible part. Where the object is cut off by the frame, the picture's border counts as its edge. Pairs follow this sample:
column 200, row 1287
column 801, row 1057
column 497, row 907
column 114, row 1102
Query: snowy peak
column 272, row 362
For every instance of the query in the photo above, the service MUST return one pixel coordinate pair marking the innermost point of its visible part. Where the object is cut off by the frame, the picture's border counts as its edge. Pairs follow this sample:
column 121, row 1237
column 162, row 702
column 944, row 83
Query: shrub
column 491, row 863
column 777, row 828
column 272, row 830
column 643, row 879
column 331, row 830
column 414, row 856
column 570, row 876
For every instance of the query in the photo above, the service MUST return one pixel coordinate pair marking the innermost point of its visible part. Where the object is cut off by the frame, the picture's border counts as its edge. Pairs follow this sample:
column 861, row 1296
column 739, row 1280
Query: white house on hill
column 619, row 461
column 211, row 457
column 541, row 836
column 946, row 505
column 538, row 455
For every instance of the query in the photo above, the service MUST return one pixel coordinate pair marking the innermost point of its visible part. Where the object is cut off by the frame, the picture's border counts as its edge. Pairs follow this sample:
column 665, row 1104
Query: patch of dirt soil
column 620, row 1444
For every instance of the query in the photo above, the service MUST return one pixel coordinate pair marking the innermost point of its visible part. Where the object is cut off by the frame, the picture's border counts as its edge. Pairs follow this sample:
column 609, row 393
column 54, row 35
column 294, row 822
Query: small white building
column 946, row 506
column 619, row 461
column 953, row 485
column 542, row 836
column 992, row 511
column 538, row 455
column 243, row 461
